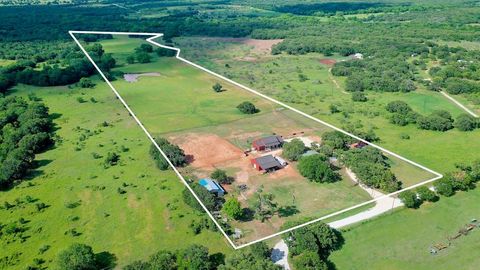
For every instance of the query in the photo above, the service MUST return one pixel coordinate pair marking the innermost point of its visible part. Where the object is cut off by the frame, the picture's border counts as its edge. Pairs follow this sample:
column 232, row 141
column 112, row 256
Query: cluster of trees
column 310, row 246
column 317, row 169
column 393, row 75
column 25, row 129
column 464, row 179
column 402, row 114
column 65, row 69
column 294, row 149
column 372, row 168
column 174, row 153
column 81, row 257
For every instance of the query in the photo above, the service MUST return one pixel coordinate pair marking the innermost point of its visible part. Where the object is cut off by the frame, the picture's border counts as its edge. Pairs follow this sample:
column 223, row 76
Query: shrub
column 247, row 107
column 77, row 257
column 294, row 149
column 309, row 260
column 217, row 87
column 359, row 97
column 86, row 83
column 409, row 199
column 221, row 176
column 426, row 194
column 111, row 159
column 466, row 122
column 130, row 59
column 444, row 187
column 143, row 57
column 398, row 106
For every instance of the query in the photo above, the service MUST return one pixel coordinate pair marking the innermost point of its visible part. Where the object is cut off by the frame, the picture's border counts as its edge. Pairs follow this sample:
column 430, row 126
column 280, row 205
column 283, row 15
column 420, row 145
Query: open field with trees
column 75, row 194
column 96, row 184
column 169, row 90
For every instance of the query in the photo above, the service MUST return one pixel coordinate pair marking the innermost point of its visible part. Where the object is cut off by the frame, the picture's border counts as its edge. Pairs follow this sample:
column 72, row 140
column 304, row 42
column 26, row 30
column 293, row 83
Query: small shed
column 266, row 163
column 270, row 142
column 212, row 186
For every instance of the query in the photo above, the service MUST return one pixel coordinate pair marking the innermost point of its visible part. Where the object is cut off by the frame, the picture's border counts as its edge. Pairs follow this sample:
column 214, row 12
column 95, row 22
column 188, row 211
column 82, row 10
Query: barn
column 268, row 143
column 266, row 163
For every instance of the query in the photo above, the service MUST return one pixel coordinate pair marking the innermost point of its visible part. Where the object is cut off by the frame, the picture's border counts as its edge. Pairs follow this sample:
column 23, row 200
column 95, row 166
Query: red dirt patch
column 328, row 61
column 207, row 150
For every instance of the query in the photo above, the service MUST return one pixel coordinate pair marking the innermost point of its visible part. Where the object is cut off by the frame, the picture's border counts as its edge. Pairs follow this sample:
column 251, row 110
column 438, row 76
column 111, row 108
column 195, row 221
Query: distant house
column 357, row 145
column 270, row 142
column 266, row 163
column 212, row 186
column 357, row 56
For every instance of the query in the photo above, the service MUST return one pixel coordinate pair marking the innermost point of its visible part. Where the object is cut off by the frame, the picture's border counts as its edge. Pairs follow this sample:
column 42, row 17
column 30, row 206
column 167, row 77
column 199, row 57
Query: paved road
column 280, row 254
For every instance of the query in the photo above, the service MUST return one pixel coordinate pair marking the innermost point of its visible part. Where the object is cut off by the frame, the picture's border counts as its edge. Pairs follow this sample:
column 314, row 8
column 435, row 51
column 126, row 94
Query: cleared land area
column 180, row 105
column 83, row 199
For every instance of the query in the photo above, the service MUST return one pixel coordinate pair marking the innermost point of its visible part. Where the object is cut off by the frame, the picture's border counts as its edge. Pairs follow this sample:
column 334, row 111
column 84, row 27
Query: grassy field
column 149, row 216
column 178, row 103
column 402, row 239
column 278, row 76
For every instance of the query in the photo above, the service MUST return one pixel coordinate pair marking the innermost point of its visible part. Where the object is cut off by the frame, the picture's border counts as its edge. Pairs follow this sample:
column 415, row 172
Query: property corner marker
column 157, row 35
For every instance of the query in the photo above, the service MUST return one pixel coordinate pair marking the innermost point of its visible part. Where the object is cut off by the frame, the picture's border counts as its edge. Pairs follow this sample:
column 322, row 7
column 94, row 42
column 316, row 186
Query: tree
column 247, row 107
column 294, row 149
column 144, row 48
column 444, row 186
column 264, row 206
column 359, row 97
column 143, row 57
column 336, row 140
column 309, row 260
column 426, row 194
column 260, row 250
column 409, row 199
column 195, row 257
column 174, row 153
column 163, row 259
column 221, row 176
column 217, row 87
column 86, row 83
column 466, row 122
column 318, row 237
column 207, row 198
column 139, row 265
column 130, row 59
column 398, row 106
column 77, row 257
column 233, row 208
column 246, row 260
column 317, row 169
column 111, row 159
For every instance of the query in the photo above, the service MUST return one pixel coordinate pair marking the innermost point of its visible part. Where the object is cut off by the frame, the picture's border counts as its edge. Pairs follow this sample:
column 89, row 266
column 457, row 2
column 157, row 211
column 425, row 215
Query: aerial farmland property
column 239, row 134
column 205, row 118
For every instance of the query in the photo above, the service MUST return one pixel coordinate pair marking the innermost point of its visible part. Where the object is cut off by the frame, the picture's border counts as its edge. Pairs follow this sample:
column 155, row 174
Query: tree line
column 25, row 130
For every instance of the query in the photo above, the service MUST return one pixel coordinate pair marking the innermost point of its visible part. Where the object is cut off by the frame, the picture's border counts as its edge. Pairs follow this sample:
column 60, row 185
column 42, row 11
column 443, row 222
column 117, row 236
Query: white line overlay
column 157, row 35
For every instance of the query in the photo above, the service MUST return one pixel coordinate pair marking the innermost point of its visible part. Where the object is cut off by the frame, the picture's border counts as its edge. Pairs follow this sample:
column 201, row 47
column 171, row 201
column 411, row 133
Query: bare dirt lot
column 328, row 61
column 207, row 150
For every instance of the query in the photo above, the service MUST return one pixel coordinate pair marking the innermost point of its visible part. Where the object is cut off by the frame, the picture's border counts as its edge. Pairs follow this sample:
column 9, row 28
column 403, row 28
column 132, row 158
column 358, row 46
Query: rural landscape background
column 81, row 187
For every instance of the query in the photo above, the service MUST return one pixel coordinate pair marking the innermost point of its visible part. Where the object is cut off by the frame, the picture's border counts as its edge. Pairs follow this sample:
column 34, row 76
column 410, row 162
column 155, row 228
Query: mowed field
column 278, row 76
column 402, row 240
column 178, row 103
column 83, row 195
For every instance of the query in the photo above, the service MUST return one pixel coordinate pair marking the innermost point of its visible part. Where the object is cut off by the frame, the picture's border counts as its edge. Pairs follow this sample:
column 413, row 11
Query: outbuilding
column 266, row 163
column 268, row 143
column 212, row 186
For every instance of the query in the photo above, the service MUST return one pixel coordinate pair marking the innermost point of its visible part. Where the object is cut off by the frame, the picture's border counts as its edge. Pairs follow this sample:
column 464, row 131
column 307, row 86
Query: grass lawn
column 151, row 214
column 402, row 240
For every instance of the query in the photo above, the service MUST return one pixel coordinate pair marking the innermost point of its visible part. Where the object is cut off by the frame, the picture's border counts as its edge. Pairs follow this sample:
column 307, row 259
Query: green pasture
column 151, row 214
column 278, row 76
column 402, row 239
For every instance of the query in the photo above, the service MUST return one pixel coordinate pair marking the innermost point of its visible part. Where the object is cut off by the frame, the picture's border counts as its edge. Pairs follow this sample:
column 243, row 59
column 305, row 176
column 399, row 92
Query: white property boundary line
column 157, row 35
column 459, row 104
